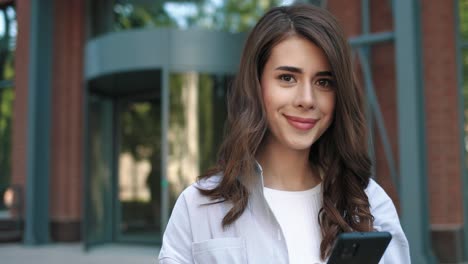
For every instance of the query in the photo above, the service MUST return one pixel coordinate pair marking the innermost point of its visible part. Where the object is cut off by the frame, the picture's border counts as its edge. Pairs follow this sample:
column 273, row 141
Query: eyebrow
column 299, row 70
column 290, row 69
column 324, row 73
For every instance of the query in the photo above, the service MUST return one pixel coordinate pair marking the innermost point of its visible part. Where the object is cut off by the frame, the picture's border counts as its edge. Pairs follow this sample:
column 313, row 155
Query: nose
column 305, row 97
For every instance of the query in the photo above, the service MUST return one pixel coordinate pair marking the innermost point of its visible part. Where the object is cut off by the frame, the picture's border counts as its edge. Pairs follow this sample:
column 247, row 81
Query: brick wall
column 443, row 133
column 67, row 119
column 441, row 95
column 384, row 78
column 20, row 110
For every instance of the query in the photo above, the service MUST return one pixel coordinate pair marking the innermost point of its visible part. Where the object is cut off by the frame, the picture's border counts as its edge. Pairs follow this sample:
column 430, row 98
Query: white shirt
column 297, row 214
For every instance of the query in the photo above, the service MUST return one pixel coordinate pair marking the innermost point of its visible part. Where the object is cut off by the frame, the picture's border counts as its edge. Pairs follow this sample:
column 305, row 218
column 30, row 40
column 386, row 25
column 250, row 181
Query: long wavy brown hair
column 340, row 153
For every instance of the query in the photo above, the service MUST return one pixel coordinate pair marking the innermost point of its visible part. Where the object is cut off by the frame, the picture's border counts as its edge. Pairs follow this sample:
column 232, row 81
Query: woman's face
column 298, row 90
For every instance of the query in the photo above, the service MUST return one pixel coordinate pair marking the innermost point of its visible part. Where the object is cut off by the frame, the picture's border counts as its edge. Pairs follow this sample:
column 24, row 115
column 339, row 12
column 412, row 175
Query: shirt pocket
column 229, row 250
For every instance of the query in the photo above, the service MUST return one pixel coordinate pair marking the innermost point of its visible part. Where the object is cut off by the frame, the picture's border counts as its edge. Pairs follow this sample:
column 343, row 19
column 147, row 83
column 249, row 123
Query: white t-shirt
column 297, row 214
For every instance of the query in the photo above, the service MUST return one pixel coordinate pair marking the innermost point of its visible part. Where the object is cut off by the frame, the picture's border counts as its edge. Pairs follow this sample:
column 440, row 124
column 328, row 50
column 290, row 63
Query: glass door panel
column 139, row 170
column 99, row 172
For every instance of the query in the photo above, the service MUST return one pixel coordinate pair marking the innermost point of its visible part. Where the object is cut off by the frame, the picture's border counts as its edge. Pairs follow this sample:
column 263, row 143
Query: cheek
column 330, row 102
column 327, row 103
column 267, row 95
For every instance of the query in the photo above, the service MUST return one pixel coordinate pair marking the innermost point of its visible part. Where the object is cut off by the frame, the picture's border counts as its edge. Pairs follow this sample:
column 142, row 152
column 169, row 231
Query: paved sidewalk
column 74, row 254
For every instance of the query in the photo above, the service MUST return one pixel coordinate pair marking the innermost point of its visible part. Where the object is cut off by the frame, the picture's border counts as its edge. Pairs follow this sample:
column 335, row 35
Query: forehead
column 299, row 52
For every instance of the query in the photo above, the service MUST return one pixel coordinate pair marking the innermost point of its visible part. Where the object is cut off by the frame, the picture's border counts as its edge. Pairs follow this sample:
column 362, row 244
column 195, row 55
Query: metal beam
column 375, row 107
column 38, row 134
column 7, row 84
column 368, row 39
column 365, row 28
column 411, row 130
column 365, row 17
column 165, row 149
column 463, row 44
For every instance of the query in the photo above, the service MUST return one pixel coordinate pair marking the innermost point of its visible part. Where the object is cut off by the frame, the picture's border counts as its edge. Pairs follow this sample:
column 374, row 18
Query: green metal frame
column 412, row 136
column 38, row 134
column 365, row 27
column 377, row 113
column 412, row 183
column 362, row 45
column 85, row 201
column 5, row 84
column 165, row 149
column 460, row 45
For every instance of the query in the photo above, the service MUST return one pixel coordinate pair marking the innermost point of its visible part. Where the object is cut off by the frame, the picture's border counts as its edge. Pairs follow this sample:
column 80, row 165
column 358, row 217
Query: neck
column 286, row 169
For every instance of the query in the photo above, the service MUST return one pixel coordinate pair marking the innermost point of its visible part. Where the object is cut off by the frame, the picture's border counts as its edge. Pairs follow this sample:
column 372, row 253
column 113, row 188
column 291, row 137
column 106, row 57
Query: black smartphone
column 359, row 248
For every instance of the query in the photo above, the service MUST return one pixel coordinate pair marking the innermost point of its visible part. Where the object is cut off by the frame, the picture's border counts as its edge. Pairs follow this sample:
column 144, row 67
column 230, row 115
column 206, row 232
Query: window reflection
column 8, row 33
column 139, row 168
column 100, row 170
column 465, row 94
column 197, row 114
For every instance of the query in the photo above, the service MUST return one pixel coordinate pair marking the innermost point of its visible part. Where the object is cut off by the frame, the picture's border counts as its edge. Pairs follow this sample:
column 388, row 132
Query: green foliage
column 205, row 120
column 129, row 16
column 141, row 129
column 9, row 67
column 226, row 15
column 231, row 15
column 176, row 104
column 463, row 13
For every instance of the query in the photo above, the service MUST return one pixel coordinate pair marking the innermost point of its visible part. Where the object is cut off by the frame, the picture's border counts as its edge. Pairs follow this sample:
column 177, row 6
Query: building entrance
column 123, row 172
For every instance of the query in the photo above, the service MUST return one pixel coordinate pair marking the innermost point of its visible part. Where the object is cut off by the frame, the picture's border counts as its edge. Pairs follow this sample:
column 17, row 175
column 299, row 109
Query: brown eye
column 287, row 78
column 325, row 83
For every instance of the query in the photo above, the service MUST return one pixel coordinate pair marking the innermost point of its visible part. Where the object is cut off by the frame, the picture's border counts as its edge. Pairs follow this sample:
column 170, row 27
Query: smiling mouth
column 301, row 123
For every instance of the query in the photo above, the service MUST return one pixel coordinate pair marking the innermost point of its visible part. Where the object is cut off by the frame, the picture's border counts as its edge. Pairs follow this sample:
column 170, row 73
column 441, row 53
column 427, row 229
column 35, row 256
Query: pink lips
column 301, row 123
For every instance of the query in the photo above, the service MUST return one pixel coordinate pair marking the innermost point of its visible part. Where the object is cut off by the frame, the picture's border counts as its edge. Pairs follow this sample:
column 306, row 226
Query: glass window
column 139, row 171
column 465, row 93
column 463, row 15
column 98, row 227
column 197, row 113
column 7, row 50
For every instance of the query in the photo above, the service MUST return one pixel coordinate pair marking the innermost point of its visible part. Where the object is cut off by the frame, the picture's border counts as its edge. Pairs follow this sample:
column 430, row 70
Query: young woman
column 293, row 170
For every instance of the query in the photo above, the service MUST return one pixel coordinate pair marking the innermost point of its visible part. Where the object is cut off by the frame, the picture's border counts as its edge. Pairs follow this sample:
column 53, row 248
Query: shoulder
column 386, row 219
column 192, row 198
column 376, row 194
column 381, row 205
column 208, row 183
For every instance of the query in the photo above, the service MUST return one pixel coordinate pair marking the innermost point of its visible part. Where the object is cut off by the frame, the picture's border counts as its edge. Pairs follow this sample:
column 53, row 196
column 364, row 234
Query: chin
column 300, row 145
